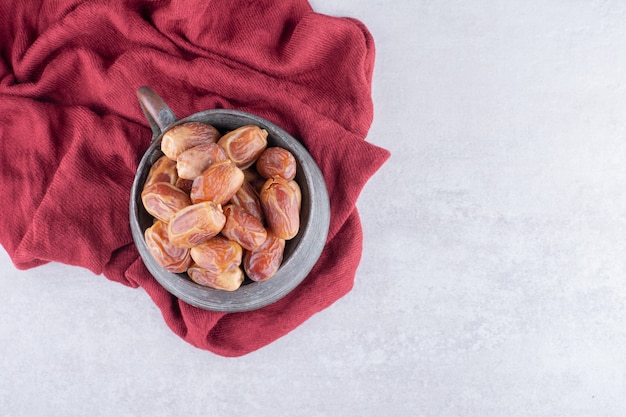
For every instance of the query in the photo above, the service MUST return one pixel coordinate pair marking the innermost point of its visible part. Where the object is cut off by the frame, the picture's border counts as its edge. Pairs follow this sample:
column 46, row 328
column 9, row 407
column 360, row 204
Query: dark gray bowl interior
column 301, row 253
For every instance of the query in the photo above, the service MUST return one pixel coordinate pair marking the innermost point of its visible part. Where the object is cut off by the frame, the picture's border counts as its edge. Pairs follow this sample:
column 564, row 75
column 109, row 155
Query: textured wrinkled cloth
column 72, row 132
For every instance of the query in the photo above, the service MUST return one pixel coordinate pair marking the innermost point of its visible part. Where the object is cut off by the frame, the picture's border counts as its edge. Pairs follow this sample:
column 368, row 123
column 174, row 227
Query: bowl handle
column 159, row 114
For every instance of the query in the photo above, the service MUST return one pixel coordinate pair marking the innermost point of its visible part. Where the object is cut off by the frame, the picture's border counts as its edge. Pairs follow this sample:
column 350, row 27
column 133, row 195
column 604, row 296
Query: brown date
column 263, row 263
column 276, row 162
column 243, row 228
column 227, row 281
column 169, row 256
column 244, row 145
column 281, row 200
column 162, row 200
column 187, row 135
column 196, row 224
column 163, row 170
column 248, row 198
column 217, row 255
column 218, row 183
column 194, row 161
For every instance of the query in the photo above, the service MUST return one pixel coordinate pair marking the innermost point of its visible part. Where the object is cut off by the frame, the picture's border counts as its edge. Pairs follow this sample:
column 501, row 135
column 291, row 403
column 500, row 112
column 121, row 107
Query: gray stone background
column 493, row 273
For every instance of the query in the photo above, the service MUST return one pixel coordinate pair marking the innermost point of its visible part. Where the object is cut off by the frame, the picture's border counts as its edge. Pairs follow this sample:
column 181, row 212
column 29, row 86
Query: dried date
column 196, row 224
column 187, row 135
column 243, row 228
column 169, row 256
column 247, row 198
column 263, row 263
column 244, row 145
column 163, row 170
column 218, row 183
column 281, row 201
column 227, row 281
column 276, row 162
column 162, row 200
column 192, row 162
column 217, row 255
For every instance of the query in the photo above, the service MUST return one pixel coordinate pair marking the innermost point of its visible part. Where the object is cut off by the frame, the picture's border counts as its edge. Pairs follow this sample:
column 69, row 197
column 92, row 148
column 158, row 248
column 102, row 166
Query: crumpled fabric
column 72, row 132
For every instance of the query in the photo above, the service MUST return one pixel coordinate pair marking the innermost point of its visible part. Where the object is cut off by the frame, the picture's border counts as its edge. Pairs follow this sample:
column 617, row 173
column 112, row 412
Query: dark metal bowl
column 301, row 252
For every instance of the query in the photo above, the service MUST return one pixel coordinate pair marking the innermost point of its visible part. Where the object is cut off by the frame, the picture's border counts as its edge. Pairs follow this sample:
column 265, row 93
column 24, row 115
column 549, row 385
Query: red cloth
column 72, row 132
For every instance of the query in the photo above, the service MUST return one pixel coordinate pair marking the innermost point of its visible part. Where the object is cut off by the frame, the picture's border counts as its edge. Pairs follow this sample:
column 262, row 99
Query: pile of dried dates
column 222, row 205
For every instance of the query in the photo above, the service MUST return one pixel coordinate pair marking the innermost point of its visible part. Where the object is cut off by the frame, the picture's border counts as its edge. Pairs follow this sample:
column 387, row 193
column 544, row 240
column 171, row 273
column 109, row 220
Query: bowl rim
column 308, row 248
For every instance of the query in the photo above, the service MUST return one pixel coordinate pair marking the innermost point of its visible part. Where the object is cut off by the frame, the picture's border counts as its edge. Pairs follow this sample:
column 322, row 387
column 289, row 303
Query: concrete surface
column 493, row 275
